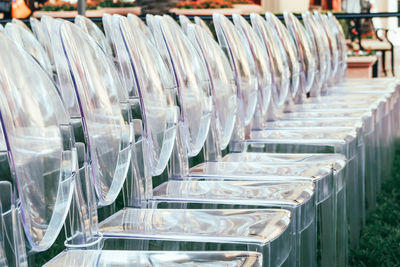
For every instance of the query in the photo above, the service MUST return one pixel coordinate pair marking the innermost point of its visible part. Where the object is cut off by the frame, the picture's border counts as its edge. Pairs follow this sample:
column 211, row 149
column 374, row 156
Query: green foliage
column 102, row 4
column 380, row 240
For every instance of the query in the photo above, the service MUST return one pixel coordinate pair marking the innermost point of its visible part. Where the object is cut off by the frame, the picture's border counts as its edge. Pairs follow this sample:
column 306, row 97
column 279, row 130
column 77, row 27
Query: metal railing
column 280, row 16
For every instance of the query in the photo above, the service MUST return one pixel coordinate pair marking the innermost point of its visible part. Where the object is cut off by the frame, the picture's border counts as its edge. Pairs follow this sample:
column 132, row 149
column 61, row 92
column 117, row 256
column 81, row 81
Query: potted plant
column 63, row 9
column 204, row 7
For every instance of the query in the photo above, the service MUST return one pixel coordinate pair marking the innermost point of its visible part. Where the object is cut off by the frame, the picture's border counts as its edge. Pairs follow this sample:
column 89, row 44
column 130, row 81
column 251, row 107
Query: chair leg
column 392, row 60
column 384, row 62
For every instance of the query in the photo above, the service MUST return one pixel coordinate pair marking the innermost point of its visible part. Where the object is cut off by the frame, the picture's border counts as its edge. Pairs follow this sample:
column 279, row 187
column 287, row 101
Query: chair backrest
column 263, row 69
column 322, row 20
column 94, row 94
column 193, row 84
column 39, row 141
column 341, row 41
column 155, row 90
column 135, row 21
column 202, row 24
column 222, row 81
column 306, row 48
column 184, row 21
column 236, row 47
column 278, row 58
column 27, row 40
column 322, row 51
column 41, row 31
column 93, row 30
column 297, row 76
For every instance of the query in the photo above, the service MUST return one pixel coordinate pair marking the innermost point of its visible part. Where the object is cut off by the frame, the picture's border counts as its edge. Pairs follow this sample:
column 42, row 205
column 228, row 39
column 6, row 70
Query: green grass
column 380, row 240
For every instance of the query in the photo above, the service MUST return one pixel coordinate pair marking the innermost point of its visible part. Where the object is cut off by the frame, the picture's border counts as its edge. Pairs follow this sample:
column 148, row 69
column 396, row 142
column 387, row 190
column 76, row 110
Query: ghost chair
column 38, row 156
column 142, row 49
column 171, row 223
column 216, row 169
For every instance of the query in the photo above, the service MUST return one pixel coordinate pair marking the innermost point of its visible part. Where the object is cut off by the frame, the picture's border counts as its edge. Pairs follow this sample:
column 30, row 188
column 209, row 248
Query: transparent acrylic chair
column 332, row 243
column 27, row 40
column 168, row 225
column 297, row 124
column 314, row 108
column 213, row 194
column 351, row 104
column 218, row 170
column 39, row 145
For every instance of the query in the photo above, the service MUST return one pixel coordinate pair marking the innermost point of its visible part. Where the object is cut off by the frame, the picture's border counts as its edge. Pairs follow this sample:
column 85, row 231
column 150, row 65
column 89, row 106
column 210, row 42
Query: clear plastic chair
column 95, row 97
column 160, row 224
column 341, row 188
column 224, row 92
column 39, row 144
column 237, row 169
column 312, row 108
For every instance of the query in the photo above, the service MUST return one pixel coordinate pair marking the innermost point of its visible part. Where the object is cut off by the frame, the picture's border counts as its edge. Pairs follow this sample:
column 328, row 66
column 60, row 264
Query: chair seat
column 77, row 258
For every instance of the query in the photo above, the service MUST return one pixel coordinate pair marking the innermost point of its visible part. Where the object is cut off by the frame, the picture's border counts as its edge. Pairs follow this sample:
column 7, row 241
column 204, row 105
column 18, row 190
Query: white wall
column 279, row 6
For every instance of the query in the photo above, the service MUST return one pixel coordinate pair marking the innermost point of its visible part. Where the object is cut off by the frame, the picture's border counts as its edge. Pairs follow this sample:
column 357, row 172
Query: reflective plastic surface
column 256, row 226
column 222, row 82
column 306, row 49
column 278, row 58
column 155, row 90
column 263, row 66
column 91, row 28
column 261, row 170
column 293, row 53
column 34, row 121
column 228, row 191
column 203, row 25
column 322, row 48
column 237, row 48
column 194, row 90
column 135, row 21
column 27, row 40
column 91, row 88
column 114, row 258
